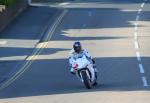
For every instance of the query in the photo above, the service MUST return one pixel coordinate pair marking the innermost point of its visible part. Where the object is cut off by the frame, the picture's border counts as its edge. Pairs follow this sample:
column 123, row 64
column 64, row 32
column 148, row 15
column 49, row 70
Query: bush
column 7, row 2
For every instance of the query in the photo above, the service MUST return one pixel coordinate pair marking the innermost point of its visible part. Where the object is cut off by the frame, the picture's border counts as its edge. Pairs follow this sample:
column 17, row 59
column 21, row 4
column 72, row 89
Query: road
column 116, row 33
column 21, row 36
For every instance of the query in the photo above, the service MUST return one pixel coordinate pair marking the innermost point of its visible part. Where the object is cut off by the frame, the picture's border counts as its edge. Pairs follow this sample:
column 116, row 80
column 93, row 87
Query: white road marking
column 141, row 68
column 64, row 4
column 145, row 84
column 138, row 56
column 3, row 42
column 90, row 13
column 139, row 11
column 135, row 28
column 144, row 80
column 142, row 5
column 136, row 23
column 135, row 35
column 137, row 18
column 136, row 44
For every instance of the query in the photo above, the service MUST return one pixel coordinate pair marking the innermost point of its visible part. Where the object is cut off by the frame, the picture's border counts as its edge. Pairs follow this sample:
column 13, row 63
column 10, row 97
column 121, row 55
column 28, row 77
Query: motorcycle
column 82, row 70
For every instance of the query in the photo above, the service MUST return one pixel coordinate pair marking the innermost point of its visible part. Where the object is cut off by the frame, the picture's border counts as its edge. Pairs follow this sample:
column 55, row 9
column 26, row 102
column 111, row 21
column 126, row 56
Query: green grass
column 7, row 2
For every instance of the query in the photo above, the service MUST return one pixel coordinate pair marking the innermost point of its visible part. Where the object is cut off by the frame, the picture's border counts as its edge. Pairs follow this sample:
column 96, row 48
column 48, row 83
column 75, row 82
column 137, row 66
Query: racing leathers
column 73, row 54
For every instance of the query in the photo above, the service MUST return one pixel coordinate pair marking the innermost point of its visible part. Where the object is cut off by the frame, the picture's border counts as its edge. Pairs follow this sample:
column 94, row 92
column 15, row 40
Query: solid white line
column 142, row 5
column 3, row 42
column 138, row 56
column 141, row 68
column 90, row 13
column 145, row 84
column 136, row 44
column 137, row 18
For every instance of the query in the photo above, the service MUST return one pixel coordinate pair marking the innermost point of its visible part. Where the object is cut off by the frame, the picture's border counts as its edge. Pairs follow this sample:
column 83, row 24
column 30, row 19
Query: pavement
column 2, row 7
column 116, row 33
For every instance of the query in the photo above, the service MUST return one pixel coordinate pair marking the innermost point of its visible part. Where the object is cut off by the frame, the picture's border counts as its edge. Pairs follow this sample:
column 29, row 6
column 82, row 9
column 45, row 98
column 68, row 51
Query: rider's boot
column 72, row 71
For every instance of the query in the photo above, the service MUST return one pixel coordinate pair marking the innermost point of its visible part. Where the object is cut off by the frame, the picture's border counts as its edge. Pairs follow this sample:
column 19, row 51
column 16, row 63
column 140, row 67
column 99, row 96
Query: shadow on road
column 51, row 76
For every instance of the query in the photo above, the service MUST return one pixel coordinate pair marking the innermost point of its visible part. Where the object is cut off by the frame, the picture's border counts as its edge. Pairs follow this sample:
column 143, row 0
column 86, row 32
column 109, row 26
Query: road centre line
column 142, row 5
column 145, row 84
column 144, row 80
column 138, row 56
column 139, row 11
column 136, row 44
column 141, row 68
column 136, row 23
column 135, row 35
column 137, row 17
column 136, row 27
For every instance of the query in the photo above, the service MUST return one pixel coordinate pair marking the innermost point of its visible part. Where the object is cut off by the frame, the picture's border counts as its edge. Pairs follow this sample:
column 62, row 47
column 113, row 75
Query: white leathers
column 73, row 55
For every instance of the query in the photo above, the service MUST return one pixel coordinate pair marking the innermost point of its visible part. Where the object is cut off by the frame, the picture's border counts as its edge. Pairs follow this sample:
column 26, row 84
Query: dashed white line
column 139, row 11
column 64, row 4
column 136, row 23
column 135, row 28
column 137, row 18
column 145, row 84
column 3, row 42
column 135, row 35
column 141, row 68
column 144, row 80
column 136, row 44
column 142, row 5
column 138, row 56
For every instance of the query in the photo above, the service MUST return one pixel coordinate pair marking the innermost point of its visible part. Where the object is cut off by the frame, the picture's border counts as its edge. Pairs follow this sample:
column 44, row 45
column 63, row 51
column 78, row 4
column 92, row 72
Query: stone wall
column 51, row 0
column 9, row 13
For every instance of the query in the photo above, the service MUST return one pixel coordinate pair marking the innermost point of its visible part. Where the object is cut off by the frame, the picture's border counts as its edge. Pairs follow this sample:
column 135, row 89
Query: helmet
column 77, row 47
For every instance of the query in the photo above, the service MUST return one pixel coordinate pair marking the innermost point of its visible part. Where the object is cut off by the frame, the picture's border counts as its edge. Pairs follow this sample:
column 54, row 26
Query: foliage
column 7, row 2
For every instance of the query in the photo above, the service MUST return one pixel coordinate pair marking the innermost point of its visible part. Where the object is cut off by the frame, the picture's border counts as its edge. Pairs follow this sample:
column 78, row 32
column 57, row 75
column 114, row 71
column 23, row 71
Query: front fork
column 79, row 75
column 87, row 72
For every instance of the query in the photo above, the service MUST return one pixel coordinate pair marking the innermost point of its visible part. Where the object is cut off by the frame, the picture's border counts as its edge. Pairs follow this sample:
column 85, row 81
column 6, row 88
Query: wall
column 51, row 0
column 10, row 13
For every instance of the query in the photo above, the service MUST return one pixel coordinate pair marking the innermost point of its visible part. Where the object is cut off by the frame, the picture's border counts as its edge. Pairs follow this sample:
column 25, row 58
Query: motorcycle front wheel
column 86, row 80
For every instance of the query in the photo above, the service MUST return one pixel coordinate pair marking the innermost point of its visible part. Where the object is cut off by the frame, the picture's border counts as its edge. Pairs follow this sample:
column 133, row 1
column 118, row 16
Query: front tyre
column 86, row 80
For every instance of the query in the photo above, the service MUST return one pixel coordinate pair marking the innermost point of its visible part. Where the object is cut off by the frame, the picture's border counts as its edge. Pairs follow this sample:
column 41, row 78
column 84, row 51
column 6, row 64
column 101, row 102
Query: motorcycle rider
column 77, row 50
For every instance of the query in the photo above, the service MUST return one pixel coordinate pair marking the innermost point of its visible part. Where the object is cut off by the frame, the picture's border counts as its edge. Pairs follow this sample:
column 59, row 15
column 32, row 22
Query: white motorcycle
column 84, row 71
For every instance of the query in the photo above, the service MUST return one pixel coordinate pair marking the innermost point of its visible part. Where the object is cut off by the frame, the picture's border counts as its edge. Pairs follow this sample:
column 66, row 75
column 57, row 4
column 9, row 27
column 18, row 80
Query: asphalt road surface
column 116, row 33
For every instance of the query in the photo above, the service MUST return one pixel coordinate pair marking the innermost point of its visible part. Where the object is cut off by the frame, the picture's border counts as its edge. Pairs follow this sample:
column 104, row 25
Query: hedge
column 7, row 2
